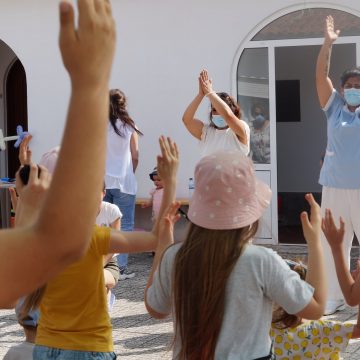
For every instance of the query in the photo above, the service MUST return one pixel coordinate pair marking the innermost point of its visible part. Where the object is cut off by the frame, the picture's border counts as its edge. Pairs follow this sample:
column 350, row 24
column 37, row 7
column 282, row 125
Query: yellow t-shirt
column 73, row 311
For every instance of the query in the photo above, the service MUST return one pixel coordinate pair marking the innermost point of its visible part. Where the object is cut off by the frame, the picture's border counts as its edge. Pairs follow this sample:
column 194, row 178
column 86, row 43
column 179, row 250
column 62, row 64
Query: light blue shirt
column 341, row 168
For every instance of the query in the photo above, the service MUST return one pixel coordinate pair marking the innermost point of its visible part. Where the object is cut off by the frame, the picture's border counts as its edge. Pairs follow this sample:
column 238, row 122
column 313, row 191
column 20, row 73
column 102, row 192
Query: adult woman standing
column 339, row 174
column 260, row 135
column 226, row 130
column 121, row 162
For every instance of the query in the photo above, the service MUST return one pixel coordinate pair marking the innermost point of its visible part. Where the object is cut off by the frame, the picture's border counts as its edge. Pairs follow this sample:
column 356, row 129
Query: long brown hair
column 202, row 267
column 118, row 111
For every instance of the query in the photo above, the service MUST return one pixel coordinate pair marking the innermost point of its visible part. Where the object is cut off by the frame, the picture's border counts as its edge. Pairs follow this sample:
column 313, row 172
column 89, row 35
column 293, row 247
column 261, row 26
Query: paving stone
column 138, row 336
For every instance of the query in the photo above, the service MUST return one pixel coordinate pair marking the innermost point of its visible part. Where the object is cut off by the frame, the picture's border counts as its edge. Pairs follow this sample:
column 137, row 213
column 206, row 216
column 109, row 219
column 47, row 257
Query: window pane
column 309, row 23
column 253, row 97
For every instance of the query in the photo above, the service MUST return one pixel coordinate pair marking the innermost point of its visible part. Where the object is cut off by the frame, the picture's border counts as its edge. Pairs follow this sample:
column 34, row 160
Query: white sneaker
column 333, row 306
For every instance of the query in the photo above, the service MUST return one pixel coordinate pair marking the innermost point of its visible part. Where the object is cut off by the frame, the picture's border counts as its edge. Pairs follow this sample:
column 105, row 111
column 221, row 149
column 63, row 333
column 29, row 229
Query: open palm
column 330, row 33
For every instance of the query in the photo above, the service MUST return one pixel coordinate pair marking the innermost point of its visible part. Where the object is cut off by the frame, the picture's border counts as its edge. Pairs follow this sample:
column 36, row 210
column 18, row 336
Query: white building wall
column 162, row 46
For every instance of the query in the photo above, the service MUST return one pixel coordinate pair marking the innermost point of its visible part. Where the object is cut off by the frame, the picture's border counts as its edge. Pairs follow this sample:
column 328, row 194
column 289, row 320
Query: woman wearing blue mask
column 340, row 173
column 260, row 135
column 226, row 130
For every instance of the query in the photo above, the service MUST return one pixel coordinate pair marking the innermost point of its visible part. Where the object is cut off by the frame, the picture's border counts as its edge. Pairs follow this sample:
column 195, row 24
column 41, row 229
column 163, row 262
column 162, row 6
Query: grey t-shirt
column 260, row 277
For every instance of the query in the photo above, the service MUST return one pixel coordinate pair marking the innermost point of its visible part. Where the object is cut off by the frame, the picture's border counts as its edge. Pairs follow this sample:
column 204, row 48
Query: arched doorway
column 274, row 70
column 13, row 112
column 16, row 110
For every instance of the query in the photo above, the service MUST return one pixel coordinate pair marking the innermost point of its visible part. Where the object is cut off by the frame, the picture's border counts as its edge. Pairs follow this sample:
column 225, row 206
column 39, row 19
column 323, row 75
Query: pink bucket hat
column 49, row 159
column 227, row 193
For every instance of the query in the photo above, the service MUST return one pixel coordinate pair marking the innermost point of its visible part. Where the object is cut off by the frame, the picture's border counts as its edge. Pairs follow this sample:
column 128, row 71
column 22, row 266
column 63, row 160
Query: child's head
column 224, row 211
column 156, row 179
column 227, row 194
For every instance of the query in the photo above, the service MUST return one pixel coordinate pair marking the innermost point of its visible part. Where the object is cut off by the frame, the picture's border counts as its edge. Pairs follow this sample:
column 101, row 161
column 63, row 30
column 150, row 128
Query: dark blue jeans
column 126, row 204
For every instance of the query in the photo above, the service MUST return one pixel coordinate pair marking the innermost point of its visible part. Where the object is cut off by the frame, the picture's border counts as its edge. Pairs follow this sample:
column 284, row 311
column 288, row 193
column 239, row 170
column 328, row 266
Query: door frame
column 271, row 45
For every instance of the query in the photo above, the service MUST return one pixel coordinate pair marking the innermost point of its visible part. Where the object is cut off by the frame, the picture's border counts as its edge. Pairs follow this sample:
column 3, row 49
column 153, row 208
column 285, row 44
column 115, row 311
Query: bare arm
column 116, row 224
column 335, row 237
column 324, row 84
column 41, row 249
column 134, row 149
column 234, row 123
column 166, row 238
column 316, row 275
column 194, row 126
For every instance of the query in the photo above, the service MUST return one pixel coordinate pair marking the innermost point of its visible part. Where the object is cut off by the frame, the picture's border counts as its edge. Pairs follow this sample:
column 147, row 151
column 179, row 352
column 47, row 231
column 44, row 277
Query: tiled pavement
column 136, row 335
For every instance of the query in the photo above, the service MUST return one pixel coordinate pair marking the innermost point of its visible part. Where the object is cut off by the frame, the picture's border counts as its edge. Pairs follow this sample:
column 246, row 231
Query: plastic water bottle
column 191, row 187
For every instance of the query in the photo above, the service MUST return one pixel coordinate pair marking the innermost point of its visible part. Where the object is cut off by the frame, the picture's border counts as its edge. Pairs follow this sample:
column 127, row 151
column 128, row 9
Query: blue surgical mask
column 219, row 121
column 352, row 96
column 259, row 121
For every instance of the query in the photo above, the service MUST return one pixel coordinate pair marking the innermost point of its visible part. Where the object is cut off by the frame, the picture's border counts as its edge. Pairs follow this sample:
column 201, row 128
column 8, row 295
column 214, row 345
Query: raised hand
column 206, row 83
column 25, row 152
column 87, row 50
column 330, row 34
column 334, row 235
column 168, row 161
column 201, row 92
column 31, row 195
column 311, row 227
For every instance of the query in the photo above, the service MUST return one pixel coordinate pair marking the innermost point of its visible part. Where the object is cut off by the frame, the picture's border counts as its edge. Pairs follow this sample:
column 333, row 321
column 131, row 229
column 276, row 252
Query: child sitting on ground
column 28, row 321
column 295, row 339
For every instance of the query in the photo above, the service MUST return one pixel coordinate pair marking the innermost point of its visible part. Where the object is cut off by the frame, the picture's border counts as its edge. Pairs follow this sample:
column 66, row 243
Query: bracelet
column 211, row 92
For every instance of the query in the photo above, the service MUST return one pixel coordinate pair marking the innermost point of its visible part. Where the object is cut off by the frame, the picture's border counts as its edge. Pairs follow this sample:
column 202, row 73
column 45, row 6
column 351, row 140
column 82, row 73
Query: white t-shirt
column 259, row 278
column 23, row 351
column 213, row 140
column 119, row 167
column 108, row 214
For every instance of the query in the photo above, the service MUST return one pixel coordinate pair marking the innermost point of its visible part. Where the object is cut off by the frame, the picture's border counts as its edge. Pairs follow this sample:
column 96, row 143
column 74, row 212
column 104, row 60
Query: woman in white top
column 226, row 130
column 121, row 162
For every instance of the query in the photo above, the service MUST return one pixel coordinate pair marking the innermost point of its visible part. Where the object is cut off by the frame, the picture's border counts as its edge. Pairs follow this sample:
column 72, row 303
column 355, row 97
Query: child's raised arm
column 53, row 242
column 165, row 239
column 139, row 241
column 335, row 237
column 316, row 271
